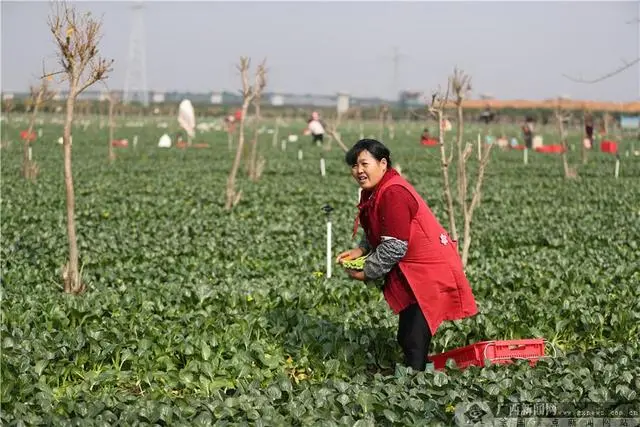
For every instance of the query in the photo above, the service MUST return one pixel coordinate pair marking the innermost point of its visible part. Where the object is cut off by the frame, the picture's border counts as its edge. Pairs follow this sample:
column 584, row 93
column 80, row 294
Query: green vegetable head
column 355, row 264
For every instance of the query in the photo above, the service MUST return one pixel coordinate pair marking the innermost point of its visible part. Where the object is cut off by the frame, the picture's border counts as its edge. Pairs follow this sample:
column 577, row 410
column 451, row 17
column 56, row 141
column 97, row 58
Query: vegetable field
column 198, row 316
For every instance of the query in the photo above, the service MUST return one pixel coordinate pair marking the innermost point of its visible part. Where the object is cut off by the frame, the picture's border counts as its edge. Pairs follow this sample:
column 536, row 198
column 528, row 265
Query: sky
column 511, row 49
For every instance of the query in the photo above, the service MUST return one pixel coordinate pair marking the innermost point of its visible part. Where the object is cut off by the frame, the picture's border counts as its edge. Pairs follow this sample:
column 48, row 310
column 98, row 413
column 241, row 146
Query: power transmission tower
column 135, row 82
column 638, row 47
column 396, row 58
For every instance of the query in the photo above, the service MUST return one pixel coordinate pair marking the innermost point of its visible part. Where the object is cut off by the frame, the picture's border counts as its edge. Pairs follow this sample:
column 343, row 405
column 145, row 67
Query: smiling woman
column 424, row 281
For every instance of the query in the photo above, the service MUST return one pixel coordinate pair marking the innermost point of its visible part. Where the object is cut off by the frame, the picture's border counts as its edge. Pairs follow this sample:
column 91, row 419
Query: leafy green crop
column 196, row 316
column 355, row 264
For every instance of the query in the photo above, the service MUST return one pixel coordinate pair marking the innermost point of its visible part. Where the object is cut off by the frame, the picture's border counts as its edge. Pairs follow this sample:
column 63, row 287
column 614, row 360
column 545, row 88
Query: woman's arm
column 388, row 253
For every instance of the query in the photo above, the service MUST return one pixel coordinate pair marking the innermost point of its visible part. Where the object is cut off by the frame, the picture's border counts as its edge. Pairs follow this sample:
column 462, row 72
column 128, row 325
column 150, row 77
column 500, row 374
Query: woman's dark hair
column 376, row 148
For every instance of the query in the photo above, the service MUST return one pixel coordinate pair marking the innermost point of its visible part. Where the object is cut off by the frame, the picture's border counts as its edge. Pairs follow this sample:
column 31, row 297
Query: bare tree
column 76, row 37
column 112, row 98
column 248, row 94
column 382, row 117
column 332, row 131
column 8, row 106
column 256, row 166
column 561, row 117
column 437, row 109
column 274, row 140
column 460, row 84
column 39, row 95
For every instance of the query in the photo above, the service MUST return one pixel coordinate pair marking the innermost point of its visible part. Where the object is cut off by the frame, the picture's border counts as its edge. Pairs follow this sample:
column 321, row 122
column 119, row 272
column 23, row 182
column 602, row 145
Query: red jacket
column 432, row 266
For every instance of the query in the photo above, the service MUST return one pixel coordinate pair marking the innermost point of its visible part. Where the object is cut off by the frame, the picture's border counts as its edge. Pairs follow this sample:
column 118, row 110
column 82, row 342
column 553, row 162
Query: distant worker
column 425, row 138
column 315, row 128
column 231, row 120
column 527, row 131
column 588, row 130
column 487, row 115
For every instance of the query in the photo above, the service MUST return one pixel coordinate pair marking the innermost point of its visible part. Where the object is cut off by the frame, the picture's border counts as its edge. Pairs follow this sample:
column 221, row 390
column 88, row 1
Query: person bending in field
column 424, row 281
column 315, row 128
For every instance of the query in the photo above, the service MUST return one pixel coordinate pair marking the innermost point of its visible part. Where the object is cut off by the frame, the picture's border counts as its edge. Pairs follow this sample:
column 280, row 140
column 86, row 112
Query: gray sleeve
column 388, row 253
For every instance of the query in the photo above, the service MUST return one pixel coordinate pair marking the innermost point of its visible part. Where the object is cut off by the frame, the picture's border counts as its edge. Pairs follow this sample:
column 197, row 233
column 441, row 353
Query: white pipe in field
column 40, row 133
column 526, row 151
column 329, row 258
column 322, row 167
column 299, row 154
column 135, row 141
column 29, row 153
column 617, row 172
column 283, row 144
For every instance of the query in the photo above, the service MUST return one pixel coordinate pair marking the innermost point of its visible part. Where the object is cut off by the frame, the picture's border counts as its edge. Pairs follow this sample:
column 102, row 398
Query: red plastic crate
column 498, row 352
column 557, row 148
column 429, row 142
column 609, row 146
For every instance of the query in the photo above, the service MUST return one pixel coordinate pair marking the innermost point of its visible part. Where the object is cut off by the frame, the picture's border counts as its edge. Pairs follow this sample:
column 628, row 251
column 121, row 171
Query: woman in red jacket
column 424, row 281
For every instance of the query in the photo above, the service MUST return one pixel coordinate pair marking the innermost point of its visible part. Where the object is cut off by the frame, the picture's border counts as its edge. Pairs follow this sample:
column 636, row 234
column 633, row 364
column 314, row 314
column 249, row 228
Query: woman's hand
column 349, row 255
column 357, row 275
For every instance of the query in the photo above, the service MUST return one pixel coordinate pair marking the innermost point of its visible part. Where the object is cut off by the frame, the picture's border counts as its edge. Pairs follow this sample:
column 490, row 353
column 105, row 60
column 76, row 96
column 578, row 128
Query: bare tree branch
column 260, row 83
column 436, row 108
column 617, row 71
column 249, row 93
column 332, row 130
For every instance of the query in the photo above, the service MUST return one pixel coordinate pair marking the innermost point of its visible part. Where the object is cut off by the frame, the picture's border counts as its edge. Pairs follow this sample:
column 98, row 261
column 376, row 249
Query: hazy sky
column 512, row 49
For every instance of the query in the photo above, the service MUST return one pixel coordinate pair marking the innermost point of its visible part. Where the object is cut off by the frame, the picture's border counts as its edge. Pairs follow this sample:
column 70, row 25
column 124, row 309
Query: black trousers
column 414, row 337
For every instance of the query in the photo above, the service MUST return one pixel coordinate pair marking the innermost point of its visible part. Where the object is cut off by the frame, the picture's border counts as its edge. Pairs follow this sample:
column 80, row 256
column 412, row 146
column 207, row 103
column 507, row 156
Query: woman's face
column 368, row 171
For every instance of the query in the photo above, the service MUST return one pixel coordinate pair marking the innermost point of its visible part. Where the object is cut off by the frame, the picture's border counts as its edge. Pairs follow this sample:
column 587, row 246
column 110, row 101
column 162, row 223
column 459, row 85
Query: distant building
column 229, row 98
column 216, row 98
column 343, row 102
column 277, row 100
column 412, row 99
column 157, row 97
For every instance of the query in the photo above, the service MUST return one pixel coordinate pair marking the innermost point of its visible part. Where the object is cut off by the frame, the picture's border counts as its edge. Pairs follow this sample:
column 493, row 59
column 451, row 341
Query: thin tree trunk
column 274, row 141
column 447, row 186
column 26, row 162
column 232, row 197
column 462, row 172
column 112, row 155
column 475, row 202
column 568, row 172
column 72, row 280
column 254, row 144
